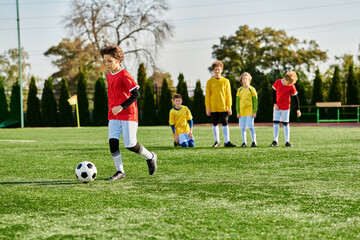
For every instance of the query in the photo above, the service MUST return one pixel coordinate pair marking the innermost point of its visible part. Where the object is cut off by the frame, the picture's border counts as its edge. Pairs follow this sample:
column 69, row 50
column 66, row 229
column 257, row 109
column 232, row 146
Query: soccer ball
column 85, row 172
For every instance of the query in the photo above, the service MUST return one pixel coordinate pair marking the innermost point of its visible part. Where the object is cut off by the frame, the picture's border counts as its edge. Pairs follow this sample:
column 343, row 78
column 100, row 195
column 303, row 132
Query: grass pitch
column 310, row 191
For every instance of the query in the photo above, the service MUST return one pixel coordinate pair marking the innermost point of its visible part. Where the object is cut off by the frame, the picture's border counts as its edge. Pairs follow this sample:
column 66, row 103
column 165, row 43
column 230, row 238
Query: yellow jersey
column 246, row 101
column 179, row 118
column 218, row 95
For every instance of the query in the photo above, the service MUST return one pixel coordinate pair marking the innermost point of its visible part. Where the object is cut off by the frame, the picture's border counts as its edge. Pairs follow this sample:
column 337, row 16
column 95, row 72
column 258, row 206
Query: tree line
column 52, row 111
column 265, row 53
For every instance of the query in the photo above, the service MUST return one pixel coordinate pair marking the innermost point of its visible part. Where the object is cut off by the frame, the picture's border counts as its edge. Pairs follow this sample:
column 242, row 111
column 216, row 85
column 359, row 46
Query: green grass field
column 310, row 191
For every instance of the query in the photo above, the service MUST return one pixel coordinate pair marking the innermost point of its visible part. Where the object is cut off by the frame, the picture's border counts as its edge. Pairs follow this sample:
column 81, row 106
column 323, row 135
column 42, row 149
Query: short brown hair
column 245, row 73
column 217, row 64
column 113, row 50
column 177, row 96
column 291, row 77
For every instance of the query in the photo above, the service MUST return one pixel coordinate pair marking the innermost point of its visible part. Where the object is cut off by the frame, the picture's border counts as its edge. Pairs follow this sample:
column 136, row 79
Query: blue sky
column 334, row 24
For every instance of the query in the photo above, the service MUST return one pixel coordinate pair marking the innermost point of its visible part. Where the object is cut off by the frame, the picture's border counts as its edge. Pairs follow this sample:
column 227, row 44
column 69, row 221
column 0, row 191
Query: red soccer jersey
column 283, row 94
column 120, row 85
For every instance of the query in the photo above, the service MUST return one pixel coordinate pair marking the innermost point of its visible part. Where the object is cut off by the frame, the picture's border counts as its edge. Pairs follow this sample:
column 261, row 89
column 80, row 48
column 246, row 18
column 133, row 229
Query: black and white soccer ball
column 86, row 172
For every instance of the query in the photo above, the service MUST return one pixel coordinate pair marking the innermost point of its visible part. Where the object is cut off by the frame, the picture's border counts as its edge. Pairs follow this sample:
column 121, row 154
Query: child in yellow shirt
column 218, row 103
column 180, row 120
column 246, row 108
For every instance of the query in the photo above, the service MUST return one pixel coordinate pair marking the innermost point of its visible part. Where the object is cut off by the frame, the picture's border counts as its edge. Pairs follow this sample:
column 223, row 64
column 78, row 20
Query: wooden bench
column 338, row 105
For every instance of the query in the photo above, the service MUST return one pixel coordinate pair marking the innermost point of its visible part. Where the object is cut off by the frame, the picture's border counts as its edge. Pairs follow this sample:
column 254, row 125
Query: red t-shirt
column 120, row 85
column 283, row 94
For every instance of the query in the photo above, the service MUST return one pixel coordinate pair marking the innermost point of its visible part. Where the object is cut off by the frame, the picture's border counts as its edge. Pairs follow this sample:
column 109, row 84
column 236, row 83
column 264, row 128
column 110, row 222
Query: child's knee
column 191, row 143
column 114, row 145
column 184, row 144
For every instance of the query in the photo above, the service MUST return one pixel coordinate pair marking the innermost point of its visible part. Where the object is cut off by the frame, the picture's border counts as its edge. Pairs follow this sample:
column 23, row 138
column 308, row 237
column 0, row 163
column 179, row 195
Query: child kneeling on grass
column 180, row 120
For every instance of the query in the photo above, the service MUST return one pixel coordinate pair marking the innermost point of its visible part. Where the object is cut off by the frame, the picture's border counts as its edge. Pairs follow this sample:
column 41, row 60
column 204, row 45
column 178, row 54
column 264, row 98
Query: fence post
column 317, row 115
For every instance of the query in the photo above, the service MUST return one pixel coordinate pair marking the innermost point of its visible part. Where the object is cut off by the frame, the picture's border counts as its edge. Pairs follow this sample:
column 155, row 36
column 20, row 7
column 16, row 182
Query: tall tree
column 9, row 66
column 141, row 79
column 267, row 49
column 4, row 111
column 149, row 110
column 198, row 106
column 33, row 115
column 100, row 113
column 71, row 57
column 181, row 88
column 165, row 104
column 317, row 94
column 15, row 113
column 48, row 105
column 352, row 87
column 335, row 92
column 233, row 86
column 265, row 112
column 65, row 110
column 136, row 24
column 83, row 102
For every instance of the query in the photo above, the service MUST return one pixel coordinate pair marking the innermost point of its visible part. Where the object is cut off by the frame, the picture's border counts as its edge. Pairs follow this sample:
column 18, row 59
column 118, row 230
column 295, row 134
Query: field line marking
column 4, row 140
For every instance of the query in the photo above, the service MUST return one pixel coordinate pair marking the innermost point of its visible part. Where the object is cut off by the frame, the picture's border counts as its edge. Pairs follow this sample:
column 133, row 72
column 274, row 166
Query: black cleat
column 118, row 175
column 229, row 144
column 216, row 144
column 243, row 144
column 253, row 144
column 287, row 144
column 274, row 144
column 176, row 144
column 152, row 165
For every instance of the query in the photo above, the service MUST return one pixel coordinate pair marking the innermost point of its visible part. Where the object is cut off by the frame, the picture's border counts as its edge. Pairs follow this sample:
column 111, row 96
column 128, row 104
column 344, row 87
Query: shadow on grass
column 57, row 182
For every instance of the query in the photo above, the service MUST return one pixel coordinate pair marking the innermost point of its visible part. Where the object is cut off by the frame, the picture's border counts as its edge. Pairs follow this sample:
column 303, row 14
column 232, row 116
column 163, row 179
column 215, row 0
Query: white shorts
column 281, row 115
column 127, row 128
column 246, row 122
column 183, row 137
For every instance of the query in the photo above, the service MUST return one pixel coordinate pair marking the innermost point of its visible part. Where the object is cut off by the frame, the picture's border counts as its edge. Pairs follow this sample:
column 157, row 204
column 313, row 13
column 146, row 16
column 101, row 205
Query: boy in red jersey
column 283, row 89
column 123, row 113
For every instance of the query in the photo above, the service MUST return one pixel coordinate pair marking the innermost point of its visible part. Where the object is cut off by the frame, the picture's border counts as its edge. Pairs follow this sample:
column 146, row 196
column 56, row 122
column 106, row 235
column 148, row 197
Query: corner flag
column 73, row 101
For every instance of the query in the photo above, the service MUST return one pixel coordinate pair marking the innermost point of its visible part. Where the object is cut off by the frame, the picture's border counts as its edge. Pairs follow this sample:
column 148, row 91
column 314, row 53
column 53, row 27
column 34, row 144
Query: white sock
column 253, row 134
column 118, row 162
column 145, row 153
column 276, row 132
column 216, row 133
column 226, row 133
column 287, row 132
column 243, row 134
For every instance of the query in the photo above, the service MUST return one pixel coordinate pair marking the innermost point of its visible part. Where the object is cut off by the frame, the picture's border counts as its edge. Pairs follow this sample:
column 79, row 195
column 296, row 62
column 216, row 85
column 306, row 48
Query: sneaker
column 229, row 144
column 274, row 144
column 118, row 175
column 253, row 144
column 287, row 144
column 175, row 144
column 152, row 165
column 243, row 144
column 216, row 144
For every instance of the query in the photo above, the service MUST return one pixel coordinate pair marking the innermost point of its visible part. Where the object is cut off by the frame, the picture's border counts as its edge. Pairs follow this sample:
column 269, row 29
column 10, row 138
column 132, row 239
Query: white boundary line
column 17, row 141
